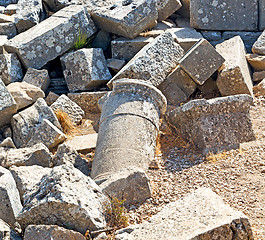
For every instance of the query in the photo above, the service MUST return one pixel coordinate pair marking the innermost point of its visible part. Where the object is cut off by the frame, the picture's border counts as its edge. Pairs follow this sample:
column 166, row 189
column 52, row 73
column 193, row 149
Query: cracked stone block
column 234, row 76
column 125, row 18
column 8, row 29
column 212, row 125
column 52, row 37
column 259, row 45
column 10, row 68
column 166, row 8
column 201, row 61
column 8, row 106
column 153, row 62
column 224, row 15
column 85, row 69
column 198, row 215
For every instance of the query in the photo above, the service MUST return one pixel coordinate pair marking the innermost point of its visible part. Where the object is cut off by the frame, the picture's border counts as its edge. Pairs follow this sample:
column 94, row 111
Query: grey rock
column 224, row 15
column 201, row 61
column 38, row 78
column 8, row 143
column 8, row 29
column 115, row 64
column 51, row 98
column 154, row 62
column 10, row 205
column 166, row 8
column 212, row 35
column 8, row 106
column 52, row 37
column 25, row 122
column 259, row 45
column 199, row 215
column 234, row 76
column 213, row 124
column 261, row 15
column 85, row 69
column 65, row 197
column 102, row 40
column 209, row 88
column 10, row 68
column 258, row 76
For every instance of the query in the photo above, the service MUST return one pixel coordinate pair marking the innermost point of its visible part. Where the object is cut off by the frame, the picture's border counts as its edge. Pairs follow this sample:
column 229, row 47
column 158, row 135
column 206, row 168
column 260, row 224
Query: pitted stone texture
column 10, row 205
column 154, row 62
column 24, row 94
column 166, row 8
column 52, row 37
column 199, row 215
column 257, row 62
column 214, row 124
column 10, row 68
column 38, row 78
column 65, row 196
column 51, row 232
column 36, row 155
column 126, row 49
column 8, row 106
column 66, row 105
column 25, row 122
column 234, row 76
column 201, row 61
column 8, row 29
column 125, row 18
column 224, row 15
column 27, row 177
column 85, row 69
column 259, row 45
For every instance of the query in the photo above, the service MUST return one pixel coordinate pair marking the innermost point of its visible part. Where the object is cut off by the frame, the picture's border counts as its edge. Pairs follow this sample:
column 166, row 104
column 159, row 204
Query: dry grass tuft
column 65, row 121
column 213, row 158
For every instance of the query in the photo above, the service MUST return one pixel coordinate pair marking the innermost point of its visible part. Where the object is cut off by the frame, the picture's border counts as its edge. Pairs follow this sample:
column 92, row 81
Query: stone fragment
column 27, row 177
column 65, row 195
column 166, row 8
column 83, row 143
column 10, row 68
column 38, row 78
column 198, row 215
column 220, row 15
column 259, row 45
column 258, row 76
column 25, row 122
column 125, row 18
column 8, row 29
column 185, row 37
column 8, row 143
column 201, row 61
column 51, row 232
column 51, row 98
column 257, row 62
column 102, row 40
column 115, row 64
column 259, row 90
column 125, row 49
column 85, row 69
column 10, row 205
column 261, row 15
column 88, row 101
column 52, row 37
column 234, row 76
column 63, row 103
column 154, row 62
column 24, row 93
column 212, row 35
column 213, row 124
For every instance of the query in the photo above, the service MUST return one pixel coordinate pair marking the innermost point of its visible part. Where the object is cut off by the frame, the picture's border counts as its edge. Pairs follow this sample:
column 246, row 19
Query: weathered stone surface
column 6, row 19
column 234, row 76
column 154, row 62
column 27, row 177
column 88, row 101
column 212, row 35
column 257, row 62
column 201, row 61
column 66, row 105
column 8, row 29
column 3, row 40
column 224, row 15
column 10, row 68
column 24, row 93
column 38, row 78
column 125, row 18
column 24, row 123
column 7, row 143
column 259, row 45
column 209, row 88
column 36, row 155
column 259, row 90
column 52, row 37
column 131, row 185
column 65, row 195
column 261, row 15
column 115, row 64
column 51, row 98
column 185, row 37
column 126, row 49
column 199, row 215
column 166, row 8
column 10, row 205
column 85, row 69
column 51, row 232
column 213, row 124
column 128, row 128
column 83, row 143
column 258, row 76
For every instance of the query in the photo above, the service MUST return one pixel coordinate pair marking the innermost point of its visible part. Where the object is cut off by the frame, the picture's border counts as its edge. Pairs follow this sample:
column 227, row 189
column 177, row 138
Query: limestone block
column 209, row 88
column 257, row 62
column 201, row 61
column 52, row 37
column 7, row 143
column 102, row 40
column 11, row 9
column 51, row 98
column 259, row 90
column 83, row 143
column 85, row 69
column 234, row 76
column 166, row 8
column 213, row 124
column 56, row 5
column 224, row 15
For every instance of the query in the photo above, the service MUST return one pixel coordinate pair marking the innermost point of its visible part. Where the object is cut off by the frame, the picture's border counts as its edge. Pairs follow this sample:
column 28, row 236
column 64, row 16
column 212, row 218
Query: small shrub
column 82, row 40
column 65, row 121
